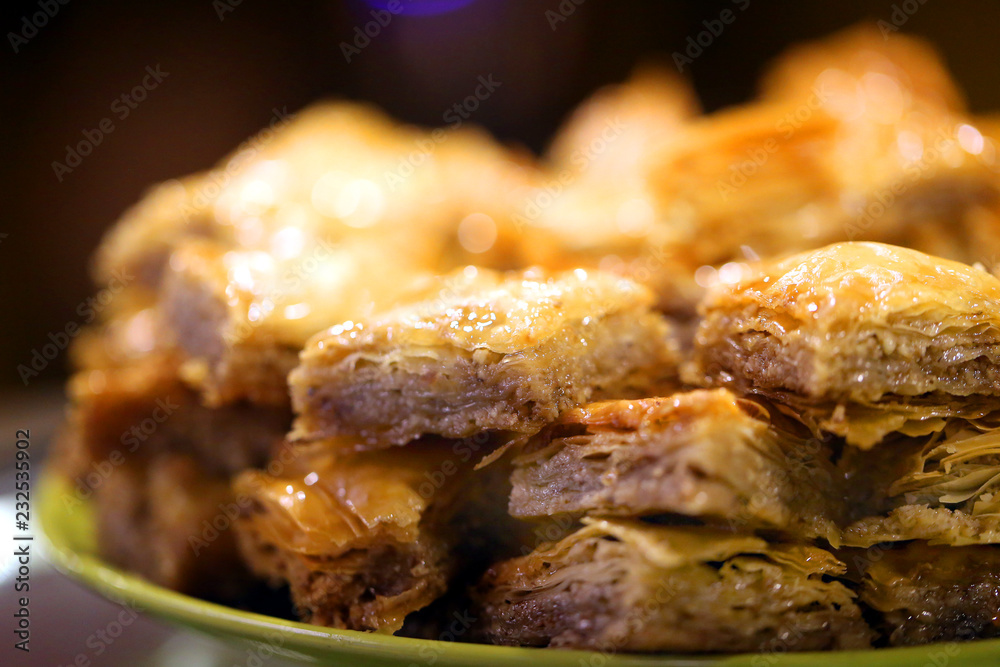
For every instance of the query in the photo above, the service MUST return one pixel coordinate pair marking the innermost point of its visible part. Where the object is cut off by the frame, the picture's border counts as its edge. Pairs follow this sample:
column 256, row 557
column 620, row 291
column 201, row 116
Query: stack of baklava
column 593, row 400
column 896, row 353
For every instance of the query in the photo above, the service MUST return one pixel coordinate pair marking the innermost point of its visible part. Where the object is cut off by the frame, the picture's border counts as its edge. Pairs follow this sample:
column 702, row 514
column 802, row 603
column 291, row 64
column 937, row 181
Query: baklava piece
column 142, row 409
column 929, row 594
column 361, row 541
column 335, row 172
column 944, row 491
column 911, row 63
column 288, row 177
column 156, row 464
column 704, row 454
column 635, row 587
column 633, row 121
column 855, row 138
column 862, row 338
column 482, row 352
column 241, row 317
column 170, row 522
column 121, row 340
column 879, row 90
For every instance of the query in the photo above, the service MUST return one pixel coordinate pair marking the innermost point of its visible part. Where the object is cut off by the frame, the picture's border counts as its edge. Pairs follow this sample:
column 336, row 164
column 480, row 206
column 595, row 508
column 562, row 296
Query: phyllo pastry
column 362, row 540
column 704, row 454
column 156, row 464
column 944, row 491
column 241, row 317
column 597, row 204
column 633, row 120
column 636, row 587
column 168, row 520
column 333, row 171
column 862, row 338
column 483, row 351
column 135, row 411
column 859, row 139
column 929, row 594
column 863, row 51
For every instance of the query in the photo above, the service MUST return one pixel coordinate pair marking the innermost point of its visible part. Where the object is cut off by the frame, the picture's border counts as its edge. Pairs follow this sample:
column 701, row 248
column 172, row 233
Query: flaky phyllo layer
column 864, row 338
column 482, row 351
column 947, row 494
column 360, row 542
column 701, row 454
column 640, row 587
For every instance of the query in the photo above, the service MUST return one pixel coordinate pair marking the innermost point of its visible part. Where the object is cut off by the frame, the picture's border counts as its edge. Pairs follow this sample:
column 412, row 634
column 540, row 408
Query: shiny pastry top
column 867, row 285
column 477, row 309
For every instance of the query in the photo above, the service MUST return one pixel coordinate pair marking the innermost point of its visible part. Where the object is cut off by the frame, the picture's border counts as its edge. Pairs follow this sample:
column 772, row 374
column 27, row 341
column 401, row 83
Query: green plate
column 70, row 532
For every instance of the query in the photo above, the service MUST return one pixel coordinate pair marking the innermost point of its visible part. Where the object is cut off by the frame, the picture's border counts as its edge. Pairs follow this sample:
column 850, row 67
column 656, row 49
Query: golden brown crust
column 361, row 540
column 485, row 351
column 636, row 587
column 857, row 52
column 854, row 138
column 336, row 171
column 701, row 454
column 620, row 126
column 857, row 324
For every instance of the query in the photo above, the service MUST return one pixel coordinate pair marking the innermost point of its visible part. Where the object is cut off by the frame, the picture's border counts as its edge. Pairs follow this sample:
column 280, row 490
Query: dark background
column 226, row 76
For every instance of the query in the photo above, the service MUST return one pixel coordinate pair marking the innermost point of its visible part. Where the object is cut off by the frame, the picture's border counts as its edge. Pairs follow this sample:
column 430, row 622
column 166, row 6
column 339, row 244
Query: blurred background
column 224, row 66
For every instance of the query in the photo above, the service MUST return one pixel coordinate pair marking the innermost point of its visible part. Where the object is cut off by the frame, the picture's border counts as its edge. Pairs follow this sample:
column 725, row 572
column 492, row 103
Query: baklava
column 944, row 491
column 703, row 454
column 865, row 338
column 483, row 351
column 325, row 339
column 361, row 540
column 627, row 586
